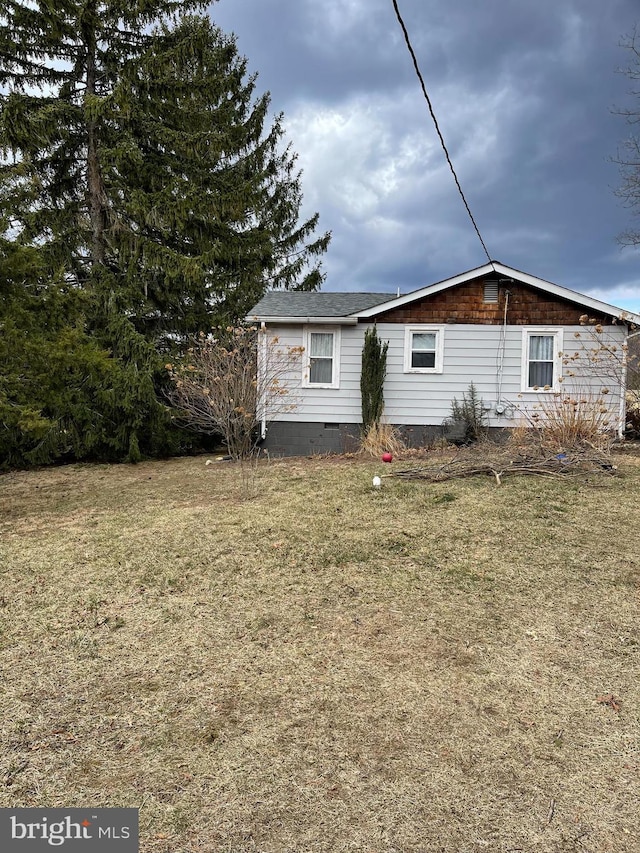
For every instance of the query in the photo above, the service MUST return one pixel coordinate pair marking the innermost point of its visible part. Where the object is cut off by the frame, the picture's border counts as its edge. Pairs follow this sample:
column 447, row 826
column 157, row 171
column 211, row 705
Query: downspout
column 622, row 415
column 262, row 369
column 499, row 406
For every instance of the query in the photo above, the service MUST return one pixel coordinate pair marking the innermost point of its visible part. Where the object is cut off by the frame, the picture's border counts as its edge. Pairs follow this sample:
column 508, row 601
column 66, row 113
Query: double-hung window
column 423, row 347
column 321, row 346
column 541, row 359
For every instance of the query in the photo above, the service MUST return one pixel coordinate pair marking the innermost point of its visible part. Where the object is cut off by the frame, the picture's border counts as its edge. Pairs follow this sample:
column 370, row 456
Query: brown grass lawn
column 324, row 667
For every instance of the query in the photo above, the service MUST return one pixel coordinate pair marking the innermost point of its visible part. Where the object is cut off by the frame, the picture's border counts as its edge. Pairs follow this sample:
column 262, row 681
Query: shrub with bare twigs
column 569, row 420
column 587, row 409
column 231, row 382
column 633, row 414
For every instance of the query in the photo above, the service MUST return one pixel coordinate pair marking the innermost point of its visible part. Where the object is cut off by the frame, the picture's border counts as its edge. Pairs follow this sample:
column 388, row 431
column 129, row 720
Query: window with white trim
column 541, row 359
column 423, row 348
column 322, row 368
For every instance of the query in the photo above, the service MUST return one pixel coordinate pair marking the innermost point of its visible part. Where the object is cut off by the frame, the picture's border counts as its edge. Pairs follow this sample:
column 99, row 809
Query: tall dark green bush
column 374, row 370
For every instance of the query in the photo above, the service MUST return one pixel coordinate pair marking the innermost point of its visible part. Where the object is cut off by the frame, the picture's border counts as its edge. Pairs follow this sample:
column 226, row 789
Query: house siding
column 488, row 355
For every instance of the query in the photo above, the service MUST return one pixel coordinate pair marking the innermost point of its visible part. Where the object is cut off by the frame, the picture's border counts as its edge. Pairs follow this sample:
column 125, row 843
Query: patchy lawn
column 446, row 668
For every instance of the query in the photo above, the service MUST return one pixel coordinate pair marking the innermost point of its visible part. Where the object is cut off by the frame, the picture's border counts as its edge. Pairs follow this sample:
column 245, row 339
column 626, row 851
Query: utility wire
column 435, row 121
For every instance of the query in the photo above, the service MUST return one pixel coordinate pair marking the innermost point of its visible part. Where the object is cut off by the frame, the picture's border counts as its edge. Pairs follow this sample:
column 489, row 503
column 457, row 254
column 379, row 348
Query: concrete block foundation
column 293, row 438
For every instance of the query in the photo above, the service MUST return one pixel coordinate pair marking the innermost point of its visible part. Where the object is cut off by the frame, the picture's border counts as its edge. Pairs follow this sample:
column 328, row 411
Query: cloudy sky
column 523, row 91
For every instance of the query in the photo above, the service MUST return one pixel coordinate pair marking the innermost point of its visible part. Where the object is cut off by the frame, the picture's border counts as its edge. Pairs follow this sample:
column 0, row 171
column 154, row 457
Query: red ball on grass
column 387, row 457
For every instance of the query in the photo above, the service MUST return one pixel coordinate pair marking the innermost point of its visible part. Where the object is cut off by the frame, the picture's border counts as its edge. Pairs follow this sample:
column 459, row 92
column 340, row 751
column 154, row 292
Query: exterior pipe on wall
column 262, row 366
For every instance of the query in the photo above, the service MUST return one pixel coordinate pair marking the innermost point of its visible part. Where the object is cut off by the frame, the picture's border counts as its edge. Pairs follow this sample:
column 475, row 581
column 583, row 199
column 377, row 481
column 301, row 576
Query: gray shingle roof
column 301, row 304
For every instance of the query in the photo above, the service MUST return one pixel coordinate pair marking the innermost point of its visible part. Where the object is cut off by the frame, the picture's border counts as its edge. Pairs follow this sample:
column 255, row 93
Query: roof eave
column 572, row 295
column 509, row 272
column 317, row 321
column 429, row 290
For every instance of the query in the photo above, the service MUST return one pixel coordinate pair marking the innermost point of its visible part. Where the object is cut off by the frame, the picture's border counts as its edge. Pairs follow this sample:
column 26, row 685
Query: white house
column 523, row 342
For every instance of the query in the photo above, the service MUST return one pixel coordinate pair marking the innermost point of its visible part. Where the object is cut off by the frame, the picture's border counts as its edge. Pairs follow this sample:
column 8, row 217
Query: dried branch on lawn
column 500, row 465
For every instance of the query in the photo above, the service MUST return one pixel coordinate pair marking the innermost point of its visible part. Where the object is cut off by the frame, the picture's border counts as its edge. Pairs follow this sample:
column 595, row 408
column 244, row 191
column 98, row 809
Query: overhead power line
column 435, row 121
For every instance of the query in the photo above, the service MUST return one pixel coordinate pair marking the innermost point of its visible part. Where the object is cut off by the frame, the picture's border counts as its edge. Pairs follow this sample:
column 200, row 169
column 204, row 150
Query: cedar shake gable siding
column 464, row 303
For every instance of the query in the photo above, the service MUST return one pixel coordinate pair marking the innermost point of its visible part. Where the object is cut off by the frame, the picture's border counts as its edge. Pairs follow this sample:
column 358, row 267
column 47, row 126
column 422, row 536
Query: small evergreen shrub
column 468, row 416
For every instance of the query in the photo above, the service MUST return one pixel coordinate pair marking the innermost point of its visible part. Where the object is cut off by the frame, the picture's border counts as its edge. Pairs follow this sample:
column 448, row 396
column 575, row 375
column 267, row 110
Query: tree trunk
column 95, row 188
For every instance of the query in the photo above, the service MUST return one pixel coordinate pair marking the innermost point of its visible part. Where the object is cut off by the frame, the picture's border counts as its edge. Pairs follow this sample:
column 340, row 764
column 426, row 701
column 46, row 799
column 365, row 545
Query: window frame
column 335, row 356
column 409, row 332
column 542, row 331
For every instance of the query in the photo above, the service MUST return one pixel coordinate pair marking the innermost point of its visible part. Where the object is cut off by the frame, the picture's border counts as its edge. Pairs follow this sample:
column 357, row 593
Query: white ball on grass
column 377, row 482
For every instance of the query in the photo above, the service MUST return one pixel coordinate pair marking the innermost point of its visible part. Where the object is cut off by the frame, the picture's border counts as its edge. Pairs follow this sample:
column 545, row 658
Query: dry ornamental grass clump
column 382, row 437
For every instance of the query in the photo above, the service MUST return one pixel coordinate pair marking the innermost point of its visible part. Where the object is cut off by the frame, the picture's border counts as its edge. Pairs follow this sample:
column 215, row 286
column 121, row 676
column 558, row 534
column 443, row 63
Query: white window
column 322, row 367
column 423, row 348
column 541, row 359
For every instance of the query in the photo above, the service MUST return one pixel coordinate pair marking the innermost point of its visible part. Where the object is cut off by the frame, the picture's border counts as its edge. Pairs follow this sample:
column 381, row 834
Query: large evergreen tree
column 137, row 166
column 210, row 199
column 62, row 395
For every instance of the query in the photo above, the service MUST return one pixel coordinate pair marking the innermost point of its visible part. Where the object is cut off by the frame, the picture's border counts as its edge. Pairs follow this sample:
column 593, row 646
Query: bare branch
column 231, row 383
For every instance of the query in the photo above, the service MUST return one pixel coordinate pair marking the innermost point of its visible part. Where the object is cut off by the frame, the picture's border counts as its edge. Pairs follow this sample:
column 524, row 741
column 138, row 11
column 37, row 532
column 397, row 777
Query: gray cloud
column 523, row 93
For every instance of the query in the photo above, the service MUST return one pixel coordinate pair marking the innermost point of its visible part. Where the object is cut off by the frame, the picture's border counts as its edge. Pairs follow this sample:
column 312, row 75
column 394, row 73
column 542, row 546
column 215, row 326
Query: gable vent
column 491, row 291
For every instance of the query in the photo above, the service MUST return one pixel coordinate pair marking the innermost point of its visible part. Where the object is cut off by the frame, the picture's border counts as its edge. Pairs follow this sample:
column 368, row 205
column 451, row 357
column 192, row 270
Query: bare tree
column 233, row 384
column 610, row 368
column 628, row 157
column 605, row 356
